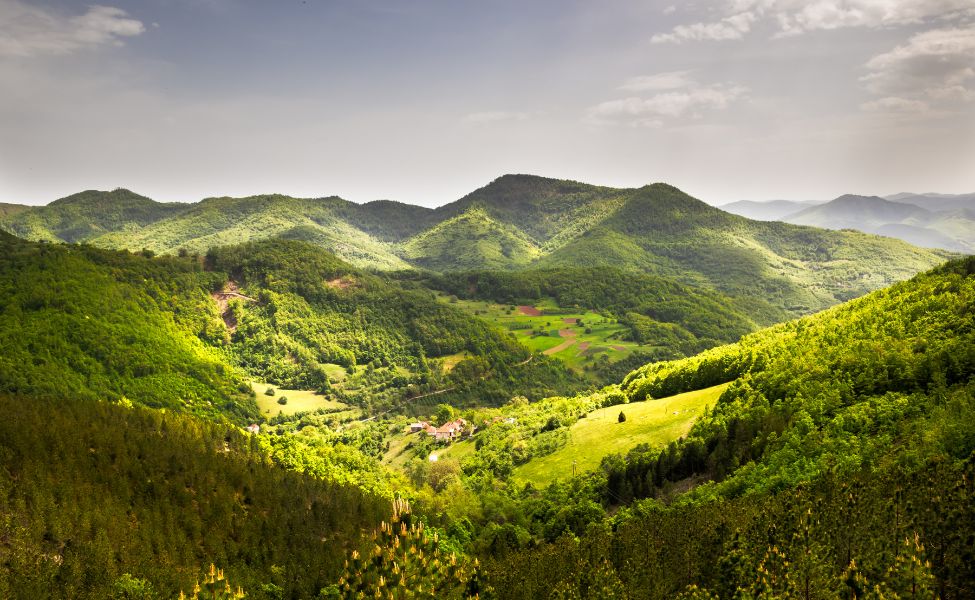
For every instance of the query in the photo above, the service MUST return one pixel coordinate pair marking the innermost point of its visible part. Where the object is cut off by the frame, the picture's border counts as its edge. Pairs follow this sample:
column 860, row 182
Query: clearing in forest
column 541, row 328
column 298, row 400
column 599, row 434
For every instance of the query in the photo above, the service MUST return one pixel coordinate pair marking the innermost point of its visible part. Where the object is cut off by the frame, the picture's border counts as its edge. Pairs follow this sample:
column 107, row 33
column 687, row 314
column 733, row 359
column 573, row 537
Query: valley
column 595, row 373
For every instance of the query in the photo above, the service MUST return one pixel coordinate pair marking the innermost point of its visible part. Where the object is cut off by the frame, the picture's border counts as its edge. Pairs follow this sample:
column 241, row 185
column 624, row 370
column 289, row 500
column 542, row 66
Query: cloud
column 683, row 98
column 31, row 31
column 933, row 66
column 730, row 28
column 893, row 104
column 495, row 116
column 661, row 81
column 794, row 17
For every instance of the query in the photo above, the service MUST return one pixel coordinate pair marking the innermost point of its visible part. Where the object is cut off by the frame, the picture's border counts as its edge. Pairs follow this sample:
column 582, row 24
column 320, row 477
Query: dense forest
column 99, row 500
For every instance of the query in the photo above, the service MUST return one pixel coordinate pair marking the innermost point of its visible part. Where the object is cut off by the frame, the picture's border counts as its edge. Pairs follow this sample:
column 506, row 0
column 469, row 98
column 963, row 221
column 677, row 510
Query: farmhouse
column 419, row 426
column 253, row 428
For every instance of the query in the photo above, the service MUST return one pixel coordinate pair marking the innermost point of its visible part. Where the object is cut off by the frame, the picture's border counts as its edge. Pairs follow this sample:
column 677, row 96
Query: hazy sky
column 423, row 101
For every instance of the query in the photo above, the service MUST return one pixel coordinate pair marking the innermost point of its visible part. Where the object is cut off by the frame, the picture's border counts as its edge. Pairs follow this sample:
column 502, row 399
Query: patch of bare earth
column 529, row 311
column 340, row 283
column 230, row 291
column 570, row 339
column 570, row 320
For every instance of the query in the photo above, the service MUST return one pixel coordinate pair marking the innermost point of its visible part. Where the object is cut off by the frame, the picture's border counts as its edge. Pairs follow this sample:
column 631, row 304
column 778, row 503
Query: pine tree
column 405, row 561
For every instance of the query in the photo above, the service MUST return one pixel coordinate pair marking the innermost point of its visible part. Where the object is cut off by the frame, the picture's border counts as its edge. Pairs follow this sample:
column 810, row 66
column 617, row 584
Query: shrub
column 283, row 400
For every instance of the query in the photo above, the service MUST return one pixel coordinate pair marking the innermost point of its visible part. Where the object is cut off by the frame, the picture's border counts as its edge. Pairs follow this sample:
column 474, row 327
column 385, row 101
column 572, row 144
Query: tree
column 445, row 413
column 622, row 417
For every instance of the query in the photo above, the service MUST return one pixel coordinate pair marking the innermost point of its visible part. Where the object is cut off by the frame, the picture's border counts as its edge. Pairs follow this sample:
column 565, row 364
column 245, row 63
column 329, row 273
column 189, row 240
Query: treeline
column 94, row 495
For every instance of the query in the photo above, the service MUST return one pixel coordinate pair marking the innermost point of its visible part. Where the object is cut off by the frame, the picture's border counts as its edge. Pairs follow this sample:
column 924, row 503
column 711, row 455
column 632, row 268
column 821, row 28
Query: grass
column 604, row 341
column 655, row 422
column 298, row 400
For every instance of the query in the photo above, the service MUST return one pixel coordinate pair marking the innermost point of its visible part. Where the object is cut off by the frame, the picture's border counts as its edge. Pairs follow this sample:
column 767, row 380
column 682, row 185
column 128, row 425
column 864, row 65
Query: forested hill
column 188, row 332
column 515, row 222
column 314, row 312
column 838, row 461
column 84, row 323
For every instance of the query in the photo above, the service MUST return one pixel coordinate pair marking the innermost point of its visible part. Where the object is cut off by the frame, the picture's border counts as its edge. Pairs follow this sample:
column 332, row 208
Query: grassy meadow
column 600, row 433
column 298, row 400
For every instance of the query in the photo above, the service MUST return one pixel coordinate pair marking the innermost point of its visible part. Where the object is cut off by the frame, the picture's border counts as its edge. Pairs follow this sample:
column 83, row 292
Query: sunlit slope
column 600, row 433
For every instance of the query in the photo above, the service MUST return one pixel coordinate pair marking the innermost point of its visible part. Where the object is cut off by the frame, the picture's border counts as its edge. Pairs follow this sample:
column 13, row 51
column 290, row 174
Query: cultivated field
column 577, row 337
column 655, row 422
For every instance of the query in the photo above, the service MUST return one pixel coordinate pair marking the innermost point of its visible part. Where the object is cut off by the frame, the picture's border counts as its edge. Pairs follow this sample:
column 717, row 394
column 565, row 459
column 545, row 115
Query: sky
column 423, row 101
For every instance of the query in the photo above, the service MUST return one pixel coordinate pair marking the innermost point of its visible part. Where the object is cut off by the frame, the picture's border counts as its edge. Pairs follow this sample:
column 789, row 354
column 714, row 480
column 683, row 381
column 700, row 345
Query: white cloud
column 933, row 66
column 494, row 116
column 683, row 98
column 794, row 17
column 892, row 104
column 661, row 81
column 30, row 31
column 730, row 28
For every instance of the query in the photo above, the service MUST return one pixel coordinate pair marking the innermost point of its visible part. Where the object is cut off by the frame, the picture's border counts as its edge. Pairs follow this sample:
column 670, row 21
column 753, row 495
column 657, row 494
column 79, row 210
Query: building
column 253, row 428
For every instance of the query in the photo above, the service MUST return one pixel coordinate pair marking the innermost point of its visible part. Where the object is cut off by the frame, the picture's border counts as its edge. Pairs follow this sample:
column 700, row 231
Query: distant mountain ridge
column 926, row 220
column 515, row 222
column 770, row 210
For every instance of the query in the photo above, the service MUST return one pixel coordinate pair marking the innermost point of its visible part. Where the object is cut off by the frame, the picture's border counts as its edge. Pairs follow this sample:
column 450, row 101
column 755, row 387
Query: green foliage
column 92, row 491
column 405, row 560
column 314, row 311
column 622, row 417
column 85, row 323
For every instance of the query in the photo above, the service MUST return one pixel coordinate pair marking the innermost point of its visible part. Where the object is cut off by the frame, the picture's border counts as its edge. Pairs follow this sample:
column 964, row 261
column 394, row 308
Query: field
column 600, row 434
column 576, row 337
column 298, row 400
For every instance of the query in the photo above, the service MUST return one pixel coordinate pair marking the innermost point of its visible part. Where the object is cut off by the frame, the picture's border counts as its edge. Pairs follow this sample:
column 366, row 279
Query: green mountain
column 186, row 334
column 8, row 210
column 312, row 313
column 84, row 216
column 223, row 221
column 782, row 270
column 516, row 222
column 104, row 501
column 471, row 240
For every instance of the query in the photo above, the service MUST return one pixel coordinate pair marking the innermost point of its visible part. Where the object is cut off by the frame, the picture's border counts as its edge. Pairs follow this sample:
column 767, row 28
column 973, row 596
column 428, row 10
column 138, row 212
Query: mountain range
column 516, row 222
column 929, row 220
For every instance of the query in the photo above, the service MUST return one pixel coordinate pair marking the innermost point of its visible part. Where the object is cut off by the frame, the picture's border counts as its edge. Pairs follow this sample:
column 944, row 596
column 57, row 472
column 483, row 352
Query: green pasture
column 298, row 400
column 600, row 433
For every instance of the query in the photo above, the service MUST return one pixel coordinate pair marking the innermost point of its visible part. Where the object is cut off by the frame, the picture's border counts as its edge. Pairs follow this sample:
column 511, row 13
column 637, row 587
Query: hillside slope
column 781, row 269
column 838, row 459
column 102, row 325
